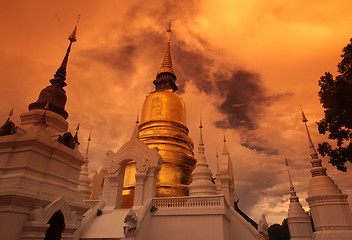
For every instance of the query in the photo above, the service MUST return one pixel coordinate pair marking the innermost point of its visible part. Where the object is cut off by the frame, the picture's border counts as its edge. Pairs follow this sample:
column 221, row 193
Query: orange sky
column 244, row 65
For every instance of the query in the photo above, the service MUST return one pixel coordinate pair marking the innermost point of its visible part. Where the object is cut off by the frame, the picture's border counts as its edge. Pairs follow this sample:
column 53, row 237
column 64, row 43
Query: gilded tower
column 163, row 125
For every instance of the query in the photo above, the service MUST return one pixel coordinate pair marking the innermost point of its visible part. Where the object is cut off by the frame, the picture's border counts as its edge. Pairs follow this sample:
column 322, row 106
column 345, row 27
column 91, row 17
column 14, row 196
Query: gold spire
column 166, row 66
column 166, row 76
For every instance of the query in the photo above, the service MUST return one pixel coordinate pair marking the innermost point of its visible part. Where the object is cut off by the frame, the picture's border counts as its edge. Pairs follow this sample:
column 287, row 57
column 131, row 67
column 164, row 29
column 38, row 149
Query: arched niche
column 55, row 215
column 56, row 226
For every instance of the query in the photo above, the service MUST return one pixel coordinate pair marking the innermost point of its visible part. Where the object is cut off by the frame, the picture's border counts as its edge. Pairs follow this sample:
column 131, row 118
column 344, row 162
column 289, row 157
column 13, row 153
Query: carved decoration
column 43, row 215
column 67, row 140
column 130, row 224
column 8, row 128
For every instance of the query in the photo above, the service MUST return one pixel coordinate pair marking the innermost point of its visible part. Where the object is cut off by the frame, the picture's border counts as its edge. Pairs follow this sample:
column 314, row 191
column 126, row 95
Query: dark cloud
column 120, row 59
column 243, row 92
column 260, row 148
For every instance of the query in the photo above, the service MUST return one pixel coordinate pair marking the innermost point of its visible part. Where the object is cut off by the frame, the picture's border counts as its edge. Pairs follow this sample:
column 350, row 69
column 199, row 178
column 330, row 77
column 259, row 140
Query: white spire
column 317, row 168
column 202, row 184
column 135, row 134
column 328, row 205
column 263, row 227
column 88, row 143
column 225, row 179
column 224, row 150
column 217, row 161
column 298, row 220
column 293, row 197
column 84, row 181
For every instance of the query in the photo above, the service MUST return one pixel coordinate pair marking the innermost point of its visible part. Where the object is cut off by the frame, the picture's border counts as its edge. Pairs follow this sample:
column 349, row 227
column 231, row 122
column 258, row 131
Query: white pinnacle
column 202, row 184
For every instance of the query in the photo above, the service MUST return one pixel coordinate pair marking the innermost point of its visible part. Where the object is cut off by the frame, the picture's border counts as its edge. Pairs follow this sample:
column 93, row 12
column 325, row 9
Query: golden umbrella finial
column 166, row 66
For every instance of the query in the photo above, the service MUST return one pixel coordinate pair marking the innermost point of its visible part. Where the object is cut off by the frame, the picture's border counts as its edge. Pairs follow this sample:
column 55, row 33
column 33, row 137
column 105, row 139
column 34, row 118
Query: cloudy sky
column 245, row 66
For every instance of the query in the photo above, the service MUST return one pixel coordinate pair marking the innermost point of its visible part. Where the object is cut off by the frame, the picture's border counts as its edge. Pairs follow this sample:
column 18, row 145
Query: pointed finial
column 90, row 134
column 77, row 128
column 166, row 76
column 60, row 74
column 225, row 151
column 200, row 134
column 73, row 37
column 46, row 106
column 293, row 197
column 304, row 119
column 11, row 112
column 137, row 120
column 317, row 168
column 289, row 175
column 169, row 31
column 217, row 160
column 88, row 143
column 135, row 133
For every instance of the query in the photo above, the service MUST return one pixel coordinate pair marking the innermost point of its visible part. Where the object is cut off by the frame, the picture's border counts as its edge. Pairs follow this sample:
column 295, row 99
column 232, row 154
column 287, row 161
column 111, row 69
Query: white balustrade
column 174, row 202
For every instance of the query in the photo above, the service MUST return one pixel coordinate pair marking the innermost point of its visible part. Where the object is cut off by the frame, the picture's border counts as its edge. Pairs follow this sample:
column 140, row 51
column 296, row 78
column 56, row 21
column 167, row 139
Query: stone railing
column 91, row 203
column 174, row 202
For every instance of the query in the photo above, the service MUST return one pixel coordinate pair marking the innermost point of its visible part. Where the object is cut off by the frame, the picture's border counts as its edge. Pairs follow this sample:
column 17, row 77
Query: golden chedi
column 163, row 125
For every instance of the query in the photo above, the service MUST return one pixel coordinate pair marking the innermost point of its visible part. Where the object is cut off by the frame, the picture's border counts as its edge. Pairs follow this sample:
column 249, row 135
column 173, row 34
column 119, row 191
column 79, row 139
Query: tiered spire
column 84, row 181
column 317, row 168
column 328, row 205
column 166, row 76
column 54, row 96
column 166, row 66
column 60, row 74
column 225, row 151
column 225, row 179
column 293, row 197
column 202, row 184
column 135, row 133
column 298, row 220
column 201, row 143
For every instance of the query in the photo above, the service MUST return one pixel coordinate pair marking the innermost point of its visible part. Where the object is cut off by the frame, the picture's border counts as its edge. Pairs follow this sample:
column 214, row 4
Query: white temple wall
column 11, row 220
column 205, row 227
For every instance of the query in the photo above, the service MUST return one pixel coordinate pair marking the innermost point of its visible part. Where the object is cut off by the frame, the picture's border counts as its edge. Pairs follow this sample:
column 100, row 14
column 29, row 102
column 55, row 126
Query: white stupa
column 329, row 207
column 40, row 167
column 298, row 220
column 202, row 184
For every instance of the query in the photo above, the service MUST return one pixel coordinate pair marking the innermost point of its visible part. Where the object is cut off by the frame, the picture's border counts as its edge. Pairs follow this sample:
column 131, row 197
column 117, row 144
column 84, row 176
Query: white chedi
column 329, row 207
column 202, row 184
column 298, row 220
